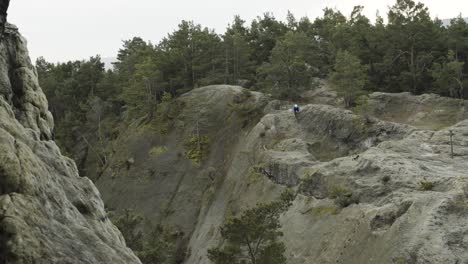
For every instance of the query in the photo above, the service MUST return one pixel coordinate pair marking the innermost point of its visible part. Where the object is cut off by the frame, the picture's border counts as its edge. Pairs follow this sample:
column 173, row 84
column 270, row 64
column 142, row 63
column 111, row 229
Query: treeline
column 412, row 53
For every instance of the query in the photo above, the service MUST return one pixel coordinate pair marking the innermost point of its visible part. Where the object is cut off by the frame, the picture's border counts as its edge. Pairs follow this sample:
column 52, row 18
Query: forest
column 410, row 52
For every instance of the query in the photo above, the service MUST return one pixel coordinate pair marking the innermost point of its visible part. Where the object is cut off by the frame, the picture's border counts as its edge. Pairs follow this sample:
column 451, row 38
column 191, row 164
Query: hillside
column 406, row 195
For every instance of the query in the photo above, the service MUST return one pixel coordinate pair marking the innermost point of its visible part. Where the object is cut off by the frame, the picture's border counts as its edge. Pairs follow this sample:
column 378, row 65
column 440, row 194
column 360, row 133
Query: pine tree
column 254, row 235
column 292, row 66
column 449, row 76
column 348, row 77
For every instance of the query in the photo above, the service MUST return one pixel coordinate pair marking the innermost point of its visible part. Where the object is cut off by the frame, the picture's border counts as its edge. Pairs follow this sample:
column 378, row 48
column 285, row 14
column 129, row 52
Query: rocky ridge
column 370, row 189
column 48, row 213
column 384, row 193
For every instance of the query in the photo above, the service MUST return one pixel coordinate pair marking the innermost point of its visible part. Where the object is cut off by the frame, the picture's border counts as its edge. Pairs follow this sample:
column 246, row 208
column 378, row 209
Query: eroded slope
column 369, row 190
column 379, row 192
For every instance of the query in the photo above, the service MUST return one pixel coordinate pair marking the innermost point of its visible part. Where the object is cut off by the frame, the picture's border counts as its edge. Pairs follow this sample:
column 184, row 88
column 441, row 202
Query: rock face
column 160, row 182
column 370, row 190
column 48, row 214
column 426, row 111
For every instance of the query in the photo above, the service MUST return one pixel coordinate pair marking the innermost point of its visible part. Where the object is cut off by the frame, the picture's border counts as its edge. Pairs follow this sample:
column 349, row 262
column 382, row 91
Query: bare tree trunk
column 236, row 63
column 192, row 58
column 226, row 72
column 185, row 75
column 99, row 128
column 198, row 138
column 413, row 70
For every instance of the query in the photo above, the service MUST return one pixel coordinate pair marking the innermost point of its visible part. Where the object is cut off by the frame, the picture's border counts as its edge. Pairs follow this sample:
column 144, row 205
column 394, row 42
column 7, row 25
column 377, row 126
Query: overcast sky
column 63, row 30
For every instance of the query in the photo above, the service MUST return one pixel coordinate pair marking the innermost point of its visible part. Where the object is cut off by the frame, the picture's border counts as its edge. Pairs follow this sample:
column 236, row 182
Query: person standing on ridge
column 296, row 109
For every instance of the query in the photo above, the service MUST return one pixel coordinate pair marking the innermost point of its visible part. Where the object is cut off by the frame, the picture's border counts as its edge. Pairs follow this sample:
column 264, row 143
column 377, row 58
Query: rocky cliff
column 371, row 189
column 381, row 188
column 48, row 213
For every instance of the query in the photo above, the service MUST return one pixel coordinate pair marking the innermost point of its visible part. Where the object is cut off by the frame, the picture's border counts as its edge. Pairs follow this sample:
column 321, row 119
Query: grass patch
column 343, row 195
column 426, row 185
column 324, row 210
column 156, row 151
column 319, row 186
column 254, row 177
column 399, row 260
column 338, row 190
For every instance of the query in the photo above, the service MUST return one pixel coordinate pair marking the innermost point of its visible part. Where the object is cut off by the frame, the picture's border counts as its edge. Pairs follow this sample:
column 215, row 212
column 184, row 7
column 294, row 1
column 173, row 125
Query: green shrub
column 166, row 112
column 362, row 105
column 155, row 246
column 254, row 176
column 338, row 190
column 399, row 260
column 343, row 195
column 426, row 185
column 158, row 246
column 196, row 148
column 128, row 223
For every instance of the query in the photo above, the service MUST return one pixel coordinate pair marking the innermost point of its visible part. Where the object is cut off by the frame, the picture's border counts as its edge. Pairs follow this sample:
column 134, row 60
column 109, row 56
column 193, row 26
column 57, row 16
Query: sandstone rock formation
column 371, row 190
column 48, row 213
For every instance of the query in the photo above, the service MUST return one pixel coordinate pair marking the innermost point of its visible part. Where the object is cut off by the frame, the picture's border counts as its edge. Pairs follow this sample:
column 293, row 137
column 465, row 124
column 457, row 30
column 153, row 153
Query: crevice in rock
column 82, row 208
column 382, row 222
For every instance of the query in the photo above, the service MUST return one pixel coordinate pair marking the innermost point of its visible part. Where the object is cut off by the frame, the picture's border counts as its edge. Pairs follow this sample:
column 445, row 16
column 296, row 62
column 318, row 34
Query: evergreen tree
column 449, row 77
column 329, row 30
column 237, row 53
column 348, row 77
column 292, row 66
column 192, row 56
column 412, row 36
column 253, row 237
column 144, row 89
column 263, row 34
column 457, row 39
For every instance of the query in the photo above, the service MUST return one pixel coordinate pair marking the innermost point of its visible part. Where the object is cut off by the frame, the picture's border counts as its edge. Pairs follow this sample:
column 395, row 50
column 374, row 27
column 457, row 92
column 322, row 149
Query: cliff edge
column 48, row 213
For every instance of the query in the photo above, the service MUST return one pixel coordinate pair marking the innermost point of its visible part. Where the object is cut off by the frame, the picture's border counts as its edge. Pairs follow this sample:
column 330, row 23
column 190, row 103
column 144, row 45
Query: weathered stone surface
column 48, row 214
column 391, row 217
column 427, row 111
column 380, row 161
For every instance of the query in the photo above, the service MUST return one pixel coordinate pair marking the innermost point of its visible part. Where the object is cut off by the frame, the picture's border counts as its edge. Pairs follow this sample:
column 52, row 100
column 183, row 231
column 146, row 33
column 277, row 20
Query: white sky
column 63, row 30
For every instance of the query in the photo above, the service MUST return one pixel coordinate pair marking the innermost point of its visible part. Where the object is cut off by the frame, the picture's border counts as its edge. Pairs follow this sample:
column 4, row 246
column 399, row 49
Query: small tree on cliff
column 348, row 77
column 253, row 237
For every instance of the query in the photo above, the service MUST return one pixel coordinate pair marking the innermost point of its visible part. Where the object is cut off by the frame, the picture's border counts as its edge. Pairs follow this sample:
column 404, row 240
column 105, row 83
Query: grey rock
column 327, row 149
column 48, row 213
column 383, row 214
